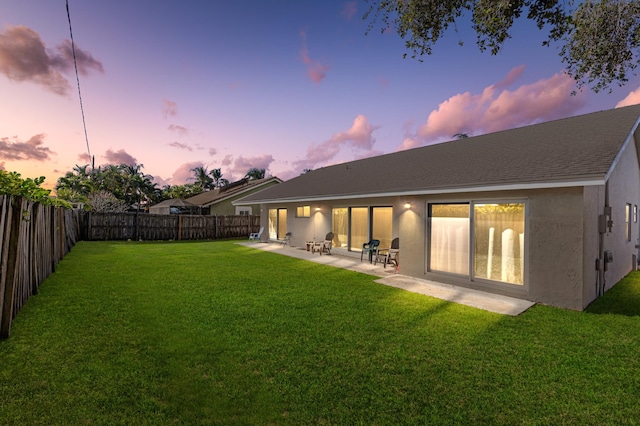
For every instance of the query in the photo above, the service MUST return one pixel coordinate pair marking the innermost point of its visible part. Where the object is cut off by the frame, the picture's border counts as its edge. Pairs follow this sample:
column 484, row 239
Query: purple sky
column 281, row 85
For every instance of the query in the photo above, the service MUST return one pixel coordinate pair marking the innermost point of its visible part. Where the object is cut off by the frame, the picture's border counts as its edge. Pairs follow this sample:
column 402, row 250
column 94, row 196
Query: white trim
column 487, row 188
column 621, row 150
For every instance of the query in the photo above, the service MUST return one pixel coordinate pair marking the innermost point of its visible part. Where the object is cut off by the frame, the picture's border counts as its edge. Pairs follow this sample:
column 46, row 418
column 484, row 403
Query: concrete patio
column 390, row 277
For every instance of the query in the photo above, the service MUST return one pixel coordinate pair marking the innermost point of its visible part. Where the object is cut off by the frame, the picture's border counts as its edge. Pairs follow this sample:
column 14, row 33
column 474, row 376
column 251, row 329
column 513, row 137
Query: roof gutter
column 485, row 188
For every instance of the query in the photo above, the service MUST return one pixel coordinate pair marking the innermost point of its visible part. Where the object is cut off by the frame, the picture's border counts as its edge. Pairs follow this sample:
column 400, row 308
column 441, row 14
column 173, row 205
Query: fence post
column 7, row 281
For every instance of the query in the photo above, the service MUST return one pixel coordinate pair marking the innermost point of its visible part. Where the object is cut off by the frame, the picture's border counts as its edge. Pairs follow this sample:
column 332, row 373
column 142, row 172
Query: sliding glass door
column 449, row 249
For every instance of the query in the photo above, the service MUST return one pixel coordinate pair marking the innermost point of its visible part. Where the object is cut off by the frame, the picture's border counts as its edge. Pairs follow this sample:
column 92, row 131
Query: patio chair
column 389, row 255
column 255, row 236
column 287, row 239
column 371, row 247
column 323, row 246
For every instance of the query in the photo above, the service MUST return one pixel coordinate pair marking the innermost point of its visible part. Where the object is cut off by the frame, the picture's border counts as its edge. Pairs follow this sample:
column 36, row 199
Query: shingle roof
column 581, row 148
column 219, row 194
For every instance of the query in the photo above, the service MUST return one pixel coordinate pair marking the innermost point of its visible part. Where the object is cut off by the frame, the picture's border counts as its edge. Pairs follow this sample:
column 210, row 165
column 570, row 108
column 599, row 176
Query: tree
column 600, row 39
column 12, row 183
column 254, row 174
column 218, row 180
column 202, row 178
column 105, row 202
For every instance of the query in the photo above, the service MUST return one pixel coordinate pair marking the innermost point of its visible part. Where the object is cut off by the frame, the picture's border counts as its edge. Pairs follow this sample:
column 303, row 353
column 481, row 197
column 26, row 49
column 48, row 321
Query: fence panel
column 152, row 227
column 33, row 239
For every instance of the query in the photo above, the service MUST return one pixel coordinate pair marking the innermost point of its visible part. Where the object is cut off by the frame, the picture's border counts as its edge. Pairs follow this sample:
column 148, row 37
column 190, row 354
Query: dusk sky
column 282, row 85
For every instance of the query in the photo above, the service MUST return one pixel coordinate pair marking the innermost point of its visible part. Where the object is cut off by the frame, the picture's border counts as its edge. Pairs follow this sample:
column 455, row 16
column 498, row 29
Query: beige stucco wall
column 624, row 187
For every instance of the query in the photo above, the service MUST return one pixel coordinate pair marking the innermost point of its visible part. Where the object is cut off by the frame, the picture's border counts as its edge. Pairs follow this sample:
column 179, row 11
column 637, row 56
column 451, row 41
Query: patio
column 390, row 277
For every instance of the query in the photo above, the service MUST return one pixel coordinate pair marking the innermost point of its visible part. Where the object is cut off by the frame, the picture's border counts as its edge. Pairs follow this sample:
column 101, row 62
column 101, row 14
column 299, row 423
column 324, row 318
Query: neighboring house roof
column 174, row 202
column 218, row 195
column 580, row 150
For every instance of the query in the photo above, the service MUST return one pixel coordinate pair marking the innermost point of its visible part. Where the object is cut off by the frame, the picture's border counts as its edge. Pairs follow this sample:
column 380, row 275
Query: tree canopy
column 599, row 40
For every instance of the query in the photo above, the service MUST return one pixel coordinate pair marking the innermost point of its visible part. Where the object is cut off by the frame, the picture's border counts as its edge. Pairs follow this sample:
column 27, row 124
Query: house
column 547, row 212
column 173, row 206
column 219, row 201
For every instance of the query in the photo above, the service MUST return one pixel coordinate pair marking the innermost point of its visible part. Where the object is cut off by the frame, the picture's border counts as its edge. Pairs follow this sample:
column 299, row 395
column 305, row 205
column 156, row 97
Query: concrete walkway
column 388, row 276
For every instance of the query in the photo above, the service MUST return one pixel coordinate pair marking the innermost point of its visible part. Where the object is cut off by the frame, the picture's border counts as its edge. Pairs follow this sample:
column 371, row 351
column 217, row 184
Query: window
column 381, row 225
column 277, row 223
column 303, row 211
column 354, row 226
column 243, row 211
column 359, row 221
column 499, row 242
column 449, row 250
column 340, row 226
column 627, row 222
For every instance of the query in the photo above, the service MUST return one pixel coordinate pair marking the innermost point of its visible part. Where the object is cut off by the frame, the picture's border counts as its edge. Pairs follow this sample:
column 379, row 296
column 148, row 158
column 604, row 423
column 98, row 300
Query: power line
column 75, row 64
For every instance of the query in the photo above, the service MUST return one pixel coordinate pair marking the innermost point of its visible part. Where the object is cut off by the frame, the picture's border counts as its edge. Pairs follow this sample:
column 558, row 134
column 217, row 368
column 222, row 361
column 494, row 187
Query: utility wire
column 75, row 64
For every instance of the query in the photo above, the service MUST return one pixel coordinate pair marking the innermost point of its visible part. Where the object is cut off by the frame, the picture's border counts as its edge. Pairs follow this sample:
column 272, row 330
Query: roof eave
column 587, row 181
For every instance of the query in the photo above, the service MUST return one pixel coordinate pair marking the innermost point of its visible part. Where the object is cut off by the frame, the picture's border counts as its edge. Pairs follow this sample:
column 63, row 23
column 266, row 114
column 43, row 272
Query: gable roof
column 218, row 195
column 573, row 151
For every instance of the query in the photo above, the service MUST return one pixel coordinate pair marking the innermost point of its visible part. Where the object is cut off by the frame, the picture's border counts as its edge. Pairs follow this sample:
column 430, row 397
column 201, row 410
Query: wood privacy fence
column 150, row 227
column 33, row 239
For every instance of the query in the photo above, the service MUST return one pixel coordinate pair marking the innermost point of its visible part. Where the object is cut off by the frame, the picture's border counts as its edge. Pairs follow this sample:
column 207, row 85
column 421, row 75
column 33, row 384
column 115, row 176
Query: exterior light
column 317, row 209
column 407, row 205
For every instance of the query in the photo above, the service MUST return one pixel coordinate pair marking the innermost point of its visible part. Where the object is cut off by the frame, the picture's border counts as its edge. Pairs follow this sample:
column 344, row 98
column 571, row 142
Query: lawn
column 218, row 333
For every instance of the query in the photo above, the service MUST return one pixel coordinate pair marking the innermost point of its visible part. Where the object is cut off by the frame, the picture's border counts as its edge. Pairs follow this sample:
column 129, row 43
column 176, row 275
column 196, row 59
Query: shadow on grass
column 622, row 299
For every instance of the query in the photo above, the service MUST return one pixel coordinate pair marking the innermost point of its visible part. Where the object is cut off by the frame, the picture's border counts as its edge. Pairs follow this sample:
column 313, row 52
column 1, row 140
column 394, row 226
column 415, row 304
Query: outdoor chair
column 389, row 255
column 323, row 246
column 370, row 248
column 287, row 239
column 255, row 236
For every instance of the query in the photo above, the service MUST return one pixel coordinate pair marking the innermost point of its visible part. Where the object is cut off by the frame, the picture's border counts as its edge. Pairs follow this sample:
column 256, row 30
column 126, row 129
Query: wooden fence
column 151, row 227
column 33, row 239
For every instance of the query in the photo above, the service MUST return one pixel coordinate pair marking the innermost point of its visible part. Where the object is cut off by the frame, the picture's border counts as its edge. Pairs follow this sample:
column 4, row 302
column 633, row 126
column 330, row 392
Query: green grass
column 217, row 333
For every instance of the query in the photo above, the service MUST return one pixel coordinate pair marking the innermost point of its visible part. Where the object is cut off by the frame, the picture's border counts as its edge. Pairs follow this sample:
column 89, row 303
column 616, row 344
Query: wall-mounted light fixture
column 407, row 205
column 317, row 209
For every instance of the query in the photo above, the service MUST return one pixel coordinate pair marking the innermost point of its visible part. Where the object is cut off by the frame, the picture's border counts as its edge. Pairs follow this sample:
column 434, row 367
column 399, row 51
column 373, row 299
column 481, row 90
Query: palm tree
column 218, row 180
column 254, row 174
column 202, row 178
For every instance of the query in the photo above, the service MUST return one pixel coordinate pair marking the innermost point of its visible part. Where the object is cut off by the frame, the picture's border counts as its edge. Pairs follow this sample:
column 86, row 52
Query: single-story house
column 219, row 201
column 547, row 212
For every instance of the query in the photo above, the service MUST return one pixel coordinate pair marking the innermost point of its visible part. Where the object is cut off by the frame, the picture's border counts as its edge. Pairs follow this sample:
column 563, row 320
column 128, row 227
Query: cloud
column 169, row 109
column 24, row 57
column 631, row 99
column 316, row 71
column 182, row 131
column 212, row 151
column 237, row 168
column 17, row 150
column 181, row 146
column 84, row 158
column 358, row 137
column 498, row 108
column 184, row 173
column 119, row 157
column 349, row 10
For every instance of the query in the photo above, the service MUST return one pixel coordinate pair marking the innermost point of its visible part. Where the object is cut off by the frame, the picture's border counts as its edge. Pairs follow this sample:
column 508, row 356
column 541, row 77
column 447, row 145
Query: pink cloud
column 181, row 130
column 212, row 151
column 33, row 149
column 349, row 10
column 169, row 108
column 183, row 174
column 631, row 99
column 119, row 157
column 237, row 168
column 315, row 70
column 497, row 108
column 179, row 145
column 358, row 137
column 24, row 57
